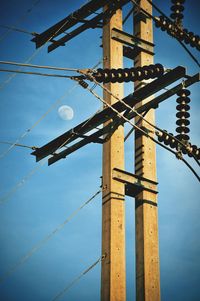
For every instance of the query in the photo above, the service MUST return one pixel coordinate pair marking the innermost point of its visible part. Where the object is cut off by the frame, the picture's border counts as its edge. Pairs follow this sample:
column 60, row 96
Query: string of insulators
column 128, row 74
column 83, row 84
column 177, row 11
column 183, row 100
column 169, row 140
column 182, row 35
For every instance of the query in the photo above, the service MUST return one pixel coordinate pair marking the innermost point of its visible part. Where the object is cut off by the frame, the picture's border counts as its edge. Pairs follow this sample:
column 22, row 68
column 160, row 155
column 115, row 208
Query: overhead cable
column 19, row 30
column 128, row 15
column 132, row 129
column 59, row 295
column 38, row 66
column 4, row 35
column 20, row 145
column 134, row 125
column 135, row 111
column 36, row 73
column 152, row 17
column 10, row 193
column 180, row 158
column 33, row 55
column 59, row 100
column 55, row 103
column 38, row 246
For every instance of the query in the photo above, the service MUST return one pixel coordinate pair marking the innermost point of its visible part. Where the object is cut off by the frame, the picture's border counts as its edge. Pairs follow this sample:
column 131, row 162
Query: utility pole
column 146, row 211
column 116, row 181
column 113, row 223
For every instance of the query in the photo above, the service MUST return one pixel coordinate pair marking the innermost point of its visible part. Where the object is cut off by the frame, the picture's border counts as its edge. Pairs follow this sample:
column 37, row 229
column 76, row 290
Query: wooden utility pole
column 113, row 224
column 147, row 248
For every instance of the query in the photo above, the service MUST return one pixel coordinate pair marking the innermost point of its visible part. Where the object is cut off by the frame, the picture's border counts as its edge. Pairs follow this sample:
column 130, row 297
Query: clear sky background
column 52, row 193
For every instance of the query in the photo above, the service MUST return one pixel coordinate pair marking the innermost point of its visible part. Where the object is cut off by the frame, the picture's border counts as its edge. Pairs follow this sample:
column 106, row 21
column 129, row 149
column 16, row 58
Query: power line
column 59, row 100
column 20, row 145
column 33, row 55
column 46, row 113
column 182, row 44
column 19, row 30
column 180, row 158
column 36, row 73
column 128, row 15
column 153, row 18
column 9, row 194
column 74, row 133
column 137, row 113
column 59, row 295
column 38, row 66
column 132, row 124
column 132, row 129
column 20, row 20
column 38, row 246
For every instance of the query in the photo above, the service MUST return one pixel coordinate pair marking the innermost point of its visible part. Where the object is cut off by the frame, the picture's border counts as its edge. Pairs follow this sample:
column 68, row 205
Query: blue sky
column 53, row 193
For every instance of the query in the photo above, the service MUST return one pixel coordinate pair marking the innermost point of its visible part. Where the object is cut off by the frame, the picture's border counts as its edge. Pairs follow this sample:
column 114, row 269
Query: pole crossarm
column 134, row 184
column 133, row 41
column 107, row 113
column 69, row 136
column 113, row 125
column 74, row 18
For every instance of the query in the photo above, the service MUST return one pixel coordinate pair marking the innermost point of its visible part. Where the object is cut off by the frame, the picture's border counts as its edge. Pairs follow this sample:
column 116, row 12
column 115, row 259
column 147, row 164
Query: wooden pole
column 147, row 249
column 113, row 224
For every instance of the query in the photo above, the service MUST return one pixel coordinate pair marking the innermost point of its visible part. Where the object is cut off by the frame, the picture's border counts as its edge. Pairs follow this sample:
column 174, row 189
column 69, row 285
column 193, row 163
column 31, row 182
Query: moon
column 65, row 112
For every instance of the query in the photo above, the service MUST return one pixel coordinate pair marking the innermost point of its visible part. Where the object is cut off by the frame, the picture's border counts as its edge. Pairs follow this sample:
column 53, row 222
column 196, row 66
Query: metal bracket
column 134, row 184
column 132, row 41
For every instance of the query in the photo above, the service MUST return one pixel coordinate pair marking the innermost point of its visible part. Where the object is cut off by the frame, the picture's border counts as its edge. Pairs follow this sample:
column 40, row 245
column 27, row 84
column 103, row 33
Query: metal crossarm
column 73, row 19
column 107, row 113
column 94, row 22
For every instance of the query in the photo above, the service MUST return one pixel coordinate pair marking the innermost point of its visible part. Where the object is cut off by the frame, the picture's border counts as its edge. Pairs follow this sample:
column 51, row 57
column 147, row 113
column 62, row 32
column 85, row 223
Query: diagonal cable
column 59, row 100
column 134, row 125
column 46, row 238
column 153, row 18
column 59, row 295
column 10, row 193
column 3, row 36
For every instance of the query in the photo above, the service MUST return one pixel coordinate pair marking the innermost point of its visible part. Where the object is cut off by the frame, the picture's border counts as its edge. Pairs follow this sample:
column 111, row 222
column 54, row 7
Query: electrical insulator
column 167, row 139
column 183, row 115
column 182, row 35
column 162, row 23
column 177, row 9
column 193, row 150
column 83, row 84
column 188, row 37
column 187, row 148
column 128, row 74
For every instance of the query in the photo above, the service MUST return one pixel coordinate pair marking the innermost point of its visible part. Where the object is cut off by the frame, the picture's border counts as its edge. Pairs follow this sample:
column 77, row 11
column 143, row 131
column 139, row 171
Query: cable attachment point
column 179, row 155
column 81, row 81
